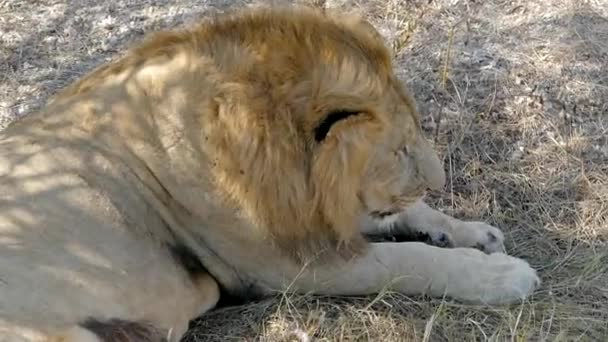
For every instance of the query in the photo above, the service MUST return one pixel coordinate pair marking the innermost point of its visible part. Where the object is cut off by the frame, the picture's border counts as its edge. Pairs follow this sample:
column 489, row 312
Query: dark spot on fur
column 323, row 128
column 119, row 330
column 185, row 257
column 492, row 237
column 417, row 236
column 236, row 298
column 393, row 237
column 380, row 214
column 442, row 240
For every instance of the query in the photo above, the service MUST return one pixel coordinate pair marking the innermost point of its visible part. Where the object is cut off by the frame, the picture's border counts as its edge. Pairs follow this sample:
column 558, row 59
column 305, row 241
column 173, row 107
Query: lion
column 251, row 153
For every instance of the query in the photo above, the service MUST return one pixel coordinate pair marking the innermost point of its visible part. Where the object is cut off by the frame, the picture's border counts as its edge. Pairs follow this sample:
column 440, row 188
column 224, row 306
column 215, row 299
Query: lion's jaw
column 397, row 178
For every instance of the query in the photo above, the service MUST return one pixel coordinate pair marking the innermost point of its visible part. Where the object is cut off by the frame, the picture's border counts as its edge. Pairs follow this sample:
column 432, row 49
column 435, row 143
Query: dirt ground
column 514, row 94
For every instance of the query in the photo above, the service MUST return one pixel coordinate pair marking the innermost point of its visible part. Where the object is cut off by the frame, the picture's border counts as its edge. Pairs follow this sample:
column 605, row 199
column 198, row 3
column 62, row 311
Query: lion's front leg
column 442, row 230
column 415, row 268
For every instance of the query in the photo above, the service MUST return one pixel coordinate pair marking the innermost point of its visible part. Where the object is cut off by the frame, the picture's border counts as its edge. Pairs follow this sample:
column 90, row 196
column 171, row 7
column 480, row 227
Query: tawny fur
column 205, row 138
column 258, row 109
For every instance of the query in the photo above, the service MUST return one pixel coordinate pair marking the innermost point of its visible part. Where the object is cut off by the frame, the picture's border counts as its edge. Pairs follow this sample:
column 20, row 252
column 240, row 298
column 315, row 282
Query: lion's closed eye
column 333, row 117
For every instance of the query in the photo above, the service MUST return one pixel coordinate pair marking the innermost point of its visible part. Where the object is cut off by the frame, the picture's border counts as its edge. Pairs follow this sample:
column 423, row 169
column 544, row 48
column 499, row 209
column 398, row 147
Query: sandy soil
column 515, row 95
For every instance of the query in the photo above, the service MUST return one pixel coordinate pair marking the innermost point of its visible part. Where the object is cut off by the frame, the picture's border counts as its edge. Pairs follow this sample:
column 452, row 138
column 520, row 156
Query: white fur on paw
column 506, row 279
column 479, row 235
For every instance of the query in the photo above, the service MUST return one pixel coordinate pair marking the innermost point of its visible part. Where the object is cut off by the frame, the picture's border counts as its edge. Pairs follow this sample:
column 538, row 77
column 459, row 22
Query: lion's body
column 81, row 237
column 201, row 152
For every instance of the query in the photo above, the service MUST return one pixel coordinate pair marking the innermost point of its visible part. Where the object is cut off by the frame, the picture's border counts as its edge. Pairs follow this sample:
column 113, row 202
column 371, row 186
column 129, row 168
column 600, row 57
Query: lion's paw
column 505, row 279
column 479, row 235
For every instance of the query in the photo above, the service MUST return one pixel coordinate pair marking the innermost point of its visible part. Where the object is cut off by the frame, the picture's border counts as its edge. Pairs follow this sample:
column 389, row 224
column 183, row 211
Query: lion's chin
column 398, row 206
column 381, row 214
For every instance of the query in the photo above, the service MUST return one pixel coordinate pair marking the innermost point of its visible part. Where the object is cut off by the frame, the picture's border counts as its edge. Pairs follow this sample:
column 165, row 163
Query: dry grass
column 515, row 94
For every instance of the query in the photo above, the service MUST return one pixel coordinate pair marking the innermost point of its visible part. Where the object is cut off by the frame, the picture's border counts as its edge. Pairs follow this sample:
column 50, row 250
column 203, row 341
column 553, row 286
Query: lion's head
column 328, row 133
column 307, row 129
